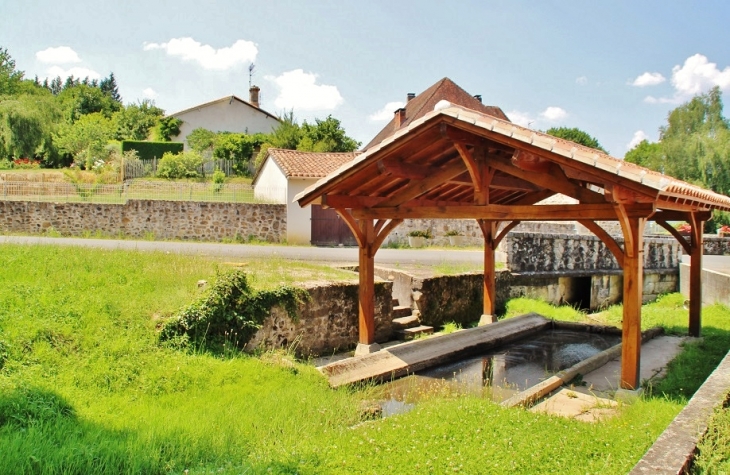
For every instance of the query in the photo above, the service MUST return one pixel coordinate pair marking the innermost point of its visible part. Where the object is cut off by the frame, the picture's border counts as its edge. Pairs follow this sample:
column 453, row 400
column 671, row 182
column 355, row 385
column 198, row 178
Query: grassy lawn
column 85, row 387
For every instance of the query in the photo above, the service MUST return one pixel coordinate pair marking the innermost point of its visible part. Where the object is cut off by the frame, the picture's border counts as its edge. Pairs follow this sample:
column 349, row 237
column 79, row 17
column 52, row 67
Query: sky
column 613, row 69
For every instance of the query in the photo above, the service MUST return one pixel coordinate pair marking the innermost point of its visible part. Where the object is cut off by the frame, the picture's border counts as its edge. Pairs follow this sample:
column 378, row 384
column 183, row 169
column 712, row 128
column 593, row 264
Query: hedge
column 150, row 150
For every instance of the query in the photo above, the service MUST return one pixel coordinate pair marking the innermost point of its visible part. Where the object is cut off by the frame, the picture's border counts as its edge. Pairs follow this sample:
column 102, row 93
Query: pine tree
column 109, row 87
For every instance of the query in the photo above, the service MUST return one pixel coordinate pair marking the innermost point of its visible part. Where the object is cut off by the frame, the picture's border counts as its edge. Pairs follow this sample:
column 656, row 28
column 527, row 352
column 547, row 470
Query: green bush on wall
column 150, row 150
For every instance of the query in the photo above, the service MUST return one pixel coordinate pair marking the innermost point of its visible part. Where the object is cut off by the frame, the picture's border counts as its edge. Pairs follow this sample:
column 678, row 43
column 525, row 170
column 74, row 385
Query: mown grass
column 85, row 387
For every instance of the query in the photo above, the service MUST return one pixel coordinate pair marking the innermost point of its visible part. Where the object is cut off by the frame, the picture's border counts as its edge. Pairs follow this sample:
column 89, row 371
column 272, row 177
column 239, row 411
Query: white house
column 227, row 114
column 284, row 174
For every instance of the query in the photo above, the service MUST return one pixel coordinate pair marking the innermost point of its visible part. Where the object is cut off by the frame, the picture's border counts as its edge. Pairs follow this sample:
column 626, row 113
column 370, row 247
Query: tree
column 201, row 139
column 647, row 154
column 27, row 123
column 326, row 136
column 135, row 121
column 576, row 135
column 109, row 87
column 85, row 140
column 167, row 127
column 79, row 100
column 10, row 78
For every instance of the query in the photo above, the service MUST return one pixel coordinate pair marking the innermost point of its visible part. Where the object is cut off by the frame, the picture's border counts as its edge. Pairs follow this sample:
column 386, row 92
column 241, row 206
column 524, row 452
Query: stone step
column 410, row 333
column 402, row 323
column 395, row 302
column 401, row 311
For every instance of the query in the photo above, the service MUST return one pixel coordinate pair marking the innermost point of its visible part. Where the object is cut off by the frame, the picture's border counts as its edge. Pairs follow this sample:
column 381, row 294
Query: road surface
column 233, row 251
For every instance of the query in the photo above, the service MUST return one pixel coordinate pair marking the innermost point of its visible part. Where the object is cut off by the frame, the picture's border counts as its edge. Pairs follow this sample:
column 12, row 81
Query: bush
column 150, row 150
column 229, row 313
column 181, row 165
column 418, row 233
column 218, row 179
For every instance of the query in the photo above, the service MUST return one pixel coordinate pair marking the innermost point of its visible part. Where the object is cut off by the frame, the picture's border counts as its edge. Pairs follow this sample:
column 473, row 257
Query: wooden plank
column 603, row 212
column 695, row 277
column 632, row 300
column 400, row 169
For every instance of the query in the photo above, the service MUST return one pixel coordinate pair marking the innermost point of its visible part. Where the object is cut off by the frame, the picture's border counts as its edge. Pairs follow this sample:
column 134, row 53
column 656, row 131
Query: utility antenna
column 251, row 67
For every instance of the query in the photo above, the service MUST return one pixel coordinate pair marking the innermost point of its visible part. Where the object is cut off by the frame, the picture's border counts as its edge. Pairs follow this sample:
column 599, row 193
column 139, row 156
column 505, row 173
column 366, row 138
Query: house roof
column 431, row 162
column 297, row 164
column 422, row 104
column 222, row 99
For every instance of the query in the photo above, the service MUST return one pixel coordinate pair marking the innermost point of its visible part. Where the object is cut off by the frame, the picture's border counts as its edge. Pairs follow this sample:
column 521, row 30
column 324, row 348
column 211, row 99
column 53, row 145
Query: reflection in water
column 503, row 371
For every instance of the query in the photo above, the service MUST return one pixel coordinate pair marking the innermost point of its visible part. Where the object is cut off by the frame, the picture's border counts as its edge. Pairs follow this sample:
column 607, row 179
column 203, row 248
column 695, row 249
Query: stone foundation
column 327, row 322
column 202, row 221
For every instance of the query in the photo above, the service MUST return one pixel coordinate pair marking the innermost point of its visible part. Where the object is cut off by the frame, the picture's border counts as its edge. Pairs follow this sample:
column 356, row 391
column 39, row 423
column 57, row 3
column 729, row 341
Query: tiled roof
column 422, row 104
column 669, row 190
column 296, row 164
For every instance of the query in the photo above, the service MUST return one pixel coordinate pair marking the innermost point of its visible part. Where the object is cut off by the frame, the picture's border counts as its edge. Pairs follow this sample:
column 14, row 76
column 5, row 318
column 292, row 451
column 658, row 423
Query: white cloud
column 58, row 55
column 554, row 114
column 221, row 59
column 521, row 118
column 639, row 136
column 149, row 93
column 662, row 100
column 697, row 75
column 77, row 72
column 298, row 90
column 386, row 113
column 648, row 79
column 581, row 80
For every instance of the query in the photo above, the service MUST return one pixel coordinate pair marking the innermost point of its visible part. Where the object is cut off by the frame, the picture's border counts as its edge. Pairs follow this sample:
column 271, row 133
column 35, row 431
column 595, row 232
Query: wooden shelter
column 459, row 163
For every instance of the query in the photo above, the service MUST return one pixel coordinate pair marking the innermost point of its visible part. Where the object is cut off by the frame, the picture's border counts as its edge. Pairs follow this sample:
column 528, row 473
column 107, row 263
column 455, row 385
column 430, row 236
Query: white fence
column 132, row 190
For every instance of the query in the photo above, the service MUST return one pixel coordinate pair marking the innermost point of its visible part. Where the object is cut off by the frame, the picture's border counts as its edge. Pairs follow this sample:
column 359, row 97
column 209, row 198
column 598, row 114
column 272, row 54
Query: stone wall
column 716, row 246
column 580, row 254
column 327, row 322
column 202, row 221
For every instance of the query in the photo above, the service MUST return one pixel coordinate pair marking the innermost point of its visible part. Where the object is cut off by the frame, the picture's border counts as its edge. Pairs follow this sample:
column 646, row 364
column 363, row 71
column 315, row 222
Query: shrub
column 218, row 179
column 453, row 232
column 418, row 233
column 228, row 313
column 150, row 150
column 181, row 165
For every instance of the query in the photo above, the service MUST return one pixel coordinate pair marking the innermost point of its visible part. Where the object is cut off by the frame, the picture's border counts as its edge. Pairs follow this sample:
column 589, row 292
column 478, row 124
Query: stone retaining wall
column 327, row 322
column 203, row 221
column 580, row 254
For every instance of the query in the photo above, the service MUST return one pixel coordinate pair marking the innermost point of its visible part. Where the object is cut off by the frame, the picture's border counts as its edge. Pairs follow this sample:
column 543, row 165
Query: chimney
column 478, row 97
column 410, row 96
column 253, row 96
column 400, row 117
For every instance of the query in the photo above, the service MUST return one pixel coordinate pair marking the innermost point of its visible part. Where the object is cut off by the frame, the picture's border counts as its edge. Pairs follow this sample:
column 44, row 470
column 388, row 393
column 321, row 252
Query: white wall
column 298, row 219
column 225, row 116
column 271, row 183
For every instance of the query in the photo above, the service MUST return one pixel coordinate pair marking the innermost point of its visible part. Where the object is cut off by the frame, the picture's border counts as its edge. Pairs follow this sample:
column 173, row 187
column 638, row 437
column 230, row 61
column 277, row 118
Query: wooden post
column 366, row 307
column 695, row 278
column 489, row 229
column 633, row 289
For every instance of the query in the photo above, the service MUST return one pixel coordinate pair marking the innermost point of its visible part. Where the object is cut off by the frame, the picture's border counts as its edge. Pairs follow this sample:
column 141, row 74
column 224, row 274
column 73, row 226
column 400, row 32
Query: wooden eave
column 459, row 163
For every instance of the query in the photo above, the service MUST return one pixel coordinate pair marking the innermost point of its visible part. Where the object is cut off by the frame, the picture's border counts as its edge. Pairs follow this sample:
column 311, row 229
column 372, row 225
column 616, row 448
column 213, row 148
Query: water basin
column 503, row 371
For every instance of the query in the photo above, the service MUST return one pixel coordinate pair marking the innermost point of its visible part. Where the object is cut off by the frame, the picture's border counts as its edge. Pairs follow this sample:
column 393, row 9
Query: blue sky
column 614, row 69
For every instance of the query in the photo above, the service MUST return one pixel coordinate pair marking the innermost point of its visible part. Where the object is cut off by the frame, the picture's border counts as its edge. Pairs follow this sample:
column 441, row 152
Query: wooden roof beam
column 555, row 180
column 417, row 188
column 602, row 212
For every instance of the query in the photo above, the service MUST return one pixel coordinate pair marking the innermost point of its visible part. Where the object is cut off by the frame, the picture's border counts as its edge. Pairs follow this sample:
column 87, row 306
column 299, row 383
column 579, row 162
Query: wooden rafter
column 346, row 215
column 680, row 239
column 471, row 165
column 504, row 231
column 415, row 189
column 604, row 212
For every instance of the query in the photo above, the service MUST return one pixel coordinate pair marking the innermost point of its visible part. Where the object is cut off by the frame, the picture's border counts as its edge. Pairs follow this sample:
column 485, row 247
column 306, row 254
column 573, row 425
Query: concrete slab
column 573, row 404
column 655, row 355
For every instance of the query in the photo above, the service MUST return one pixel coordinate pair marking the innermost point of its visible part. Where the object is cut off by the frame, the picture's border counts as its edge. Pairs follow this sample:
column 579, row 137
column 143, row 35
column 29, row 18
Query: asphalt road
column 233, row 251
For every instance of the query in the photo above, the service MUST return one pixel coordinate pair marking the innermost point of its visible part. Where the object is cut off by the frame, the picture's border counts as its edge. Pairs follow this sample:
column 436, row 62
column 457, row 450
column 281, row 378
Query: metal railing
column 136, row 190
column 142, row 168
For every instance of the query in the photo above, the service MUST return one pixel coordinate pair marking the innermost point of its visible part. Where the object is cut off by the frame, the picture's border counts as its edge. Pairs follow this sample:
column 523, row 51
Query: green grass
column 85, row 387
